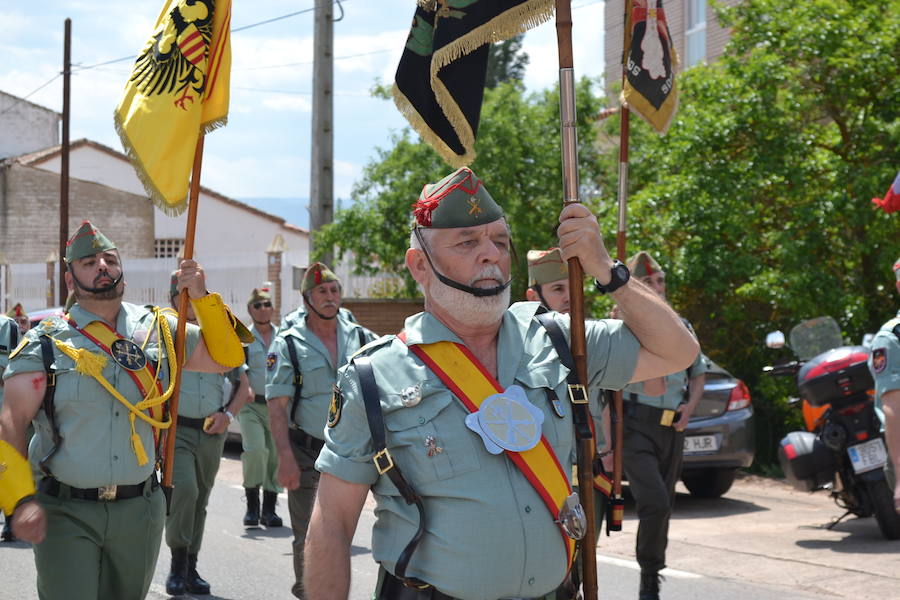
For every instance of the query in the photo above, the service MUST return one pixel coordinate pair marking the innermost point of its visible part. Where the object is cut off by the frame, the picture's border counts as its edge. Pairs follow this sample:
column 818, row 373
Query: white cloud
column 258, row 176
column 287, row 102
column 345, row 173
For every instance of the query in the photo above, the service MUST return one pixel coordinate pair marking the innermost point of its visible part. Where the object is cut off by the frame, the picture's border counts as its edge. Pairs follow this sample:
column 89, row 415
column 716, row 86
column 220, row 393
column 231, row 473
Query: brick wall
column 29, row 214
column 382, row 316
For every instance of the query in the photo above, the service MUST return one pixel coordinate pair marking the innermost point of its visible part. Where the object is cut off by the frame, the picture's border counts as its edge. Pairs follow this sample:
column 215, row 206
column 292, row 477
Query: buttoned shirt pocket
column 318, row 376
column 430, row 440
column 537, row 379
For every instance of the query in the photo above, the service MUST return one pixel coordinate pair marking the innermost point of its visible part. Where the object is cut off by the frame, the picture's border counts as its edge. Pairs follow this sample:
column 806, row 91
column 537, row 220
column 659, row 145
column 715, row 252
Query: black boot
column 7, row 535
column 175, row 584
column 195, row 584
column 269, row 518
column 649, row 586
column 251, row 519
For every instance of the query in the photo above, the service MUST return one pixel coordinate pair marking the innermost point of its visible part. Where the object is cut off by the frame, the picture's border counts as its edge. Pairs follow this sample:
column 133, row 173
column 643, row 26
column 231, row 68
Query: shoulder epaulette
column 51, row 325
column 373, row 346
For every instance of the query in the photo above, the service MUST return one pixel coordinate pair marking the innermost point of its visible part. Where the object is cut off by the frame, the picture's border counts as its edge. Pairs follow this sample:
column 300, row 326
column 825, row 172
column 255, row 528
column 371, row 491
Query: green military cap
column 87, row 241
column 259, row 294
column 16, row 311
column 458, row 200
column 545, row 266
column 643, row 265
column 317, row 274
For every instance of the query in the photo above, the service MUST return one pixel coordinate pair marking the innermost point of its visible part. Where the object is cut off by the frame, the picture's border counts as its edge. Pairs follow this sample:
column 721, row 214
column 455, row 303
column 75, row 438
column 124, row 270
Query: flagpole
column 569, row 149
column 618, row 400
column 188, row 252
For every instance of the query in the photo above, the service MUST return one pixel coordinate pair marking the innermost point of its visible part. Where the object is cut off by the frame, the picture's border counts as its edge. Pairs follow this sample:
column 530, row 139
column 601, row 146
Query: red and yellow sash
column 145, row 379
column 465, row 376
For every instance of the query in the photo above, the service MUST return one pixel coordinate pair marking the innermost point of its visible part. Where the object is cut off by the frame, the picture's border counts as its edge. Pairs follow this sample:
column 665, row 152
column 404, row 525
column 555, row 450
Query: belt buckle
column 107, row 493
column 667, row 418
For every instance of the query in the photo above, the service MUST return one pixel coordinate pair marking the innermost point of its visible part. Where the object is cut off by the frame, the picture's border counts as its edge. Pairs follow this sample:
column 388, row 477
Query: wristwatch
column 227, row 414
column 619, row 277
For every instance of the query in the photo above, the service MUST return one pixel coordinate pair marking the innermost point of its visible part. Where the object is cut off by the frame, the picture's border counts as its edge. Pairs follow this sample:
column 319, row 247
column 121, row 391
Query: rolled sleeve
column 612, row 351
column 348, row 450
column 26, row 360
column 279, row 370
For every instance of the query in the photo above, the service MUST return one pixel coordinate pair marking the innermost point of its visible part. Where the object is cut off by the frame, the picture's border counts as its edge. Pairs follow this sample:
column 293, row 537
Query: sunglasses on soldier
column 265, row 304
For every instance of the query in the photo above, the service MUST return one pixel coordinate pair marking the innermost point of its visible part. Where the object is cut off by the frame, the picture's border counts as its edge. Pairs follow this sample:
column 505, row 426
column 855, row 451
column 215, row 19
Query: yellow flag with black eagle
column 177, row 91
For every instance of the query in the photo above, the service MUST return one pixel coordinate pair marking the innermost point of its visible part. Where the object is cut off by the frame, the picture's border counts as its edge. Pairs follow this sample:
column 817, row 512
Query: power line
column 18, row 100
column 309, row 62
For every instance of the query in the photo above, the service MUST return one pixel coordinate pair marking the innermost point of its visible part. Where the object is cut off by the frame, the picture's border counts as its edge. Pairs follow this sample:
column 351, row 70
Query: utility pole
column 64, row 164
column 321, row 182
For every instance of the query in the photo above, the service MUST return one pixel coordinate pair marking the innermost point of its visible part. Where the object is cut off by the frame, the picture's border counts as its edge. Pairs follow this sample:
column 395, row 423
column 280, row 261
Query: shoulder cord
column 385, row 463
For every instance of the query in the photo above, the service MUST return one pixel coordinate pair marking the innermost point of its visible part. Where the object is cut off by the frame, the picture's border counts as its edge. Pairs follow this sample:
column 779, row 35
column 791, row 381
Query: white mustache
column 488, row 272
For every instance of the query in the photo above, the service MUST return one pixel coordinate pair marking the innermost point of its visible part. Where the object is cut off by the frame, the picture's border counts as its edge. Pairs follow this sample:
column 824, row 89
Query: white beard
column 463, row 306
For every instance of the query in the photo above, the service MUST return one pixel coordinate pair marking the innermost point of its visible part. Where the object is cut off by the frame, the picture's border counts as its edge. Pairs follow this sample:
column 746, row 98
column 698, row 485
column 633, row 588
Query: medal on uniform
column 412, row 395
column 507, row 421
column 337, row 404
column 128, row 355
column 431, row 446
column 571, row 517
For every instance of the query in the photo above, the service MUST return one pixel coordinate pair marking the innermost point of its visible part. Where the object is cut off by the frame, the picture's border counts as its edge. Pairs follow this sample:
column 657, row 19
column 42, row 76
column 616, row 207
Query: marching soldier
column 260, row 458
column 9, row 339
column 95, row 384
column 203, row 418
column 884, row 362
column 303, row 366
column 18, row 314
column 450, row 424
column 656, row 414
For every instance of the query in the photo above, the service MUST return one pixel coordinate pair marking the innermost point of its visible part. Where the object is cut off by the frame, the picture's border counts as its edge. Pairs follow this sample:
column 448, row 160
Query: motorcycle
column 843, row 448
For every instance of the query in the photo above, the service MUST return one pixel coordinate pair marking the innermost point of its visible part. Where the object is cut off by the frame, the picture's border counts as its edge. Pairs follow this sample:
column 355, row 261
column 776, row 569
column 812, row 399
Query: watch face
column 621, row 272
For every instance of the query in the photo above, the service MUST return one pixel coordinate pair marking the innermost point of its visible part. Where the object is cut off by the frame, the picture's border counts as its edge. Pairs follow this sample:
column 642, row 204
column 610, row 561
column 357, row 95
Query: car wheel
column 708, row 483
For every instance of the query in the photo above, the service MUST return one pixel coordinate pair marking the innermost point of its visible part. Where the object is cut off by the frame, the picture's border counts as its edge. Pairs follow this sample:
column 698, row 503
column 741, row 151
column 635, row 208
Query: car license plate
column 700, row 443
column 868, row 455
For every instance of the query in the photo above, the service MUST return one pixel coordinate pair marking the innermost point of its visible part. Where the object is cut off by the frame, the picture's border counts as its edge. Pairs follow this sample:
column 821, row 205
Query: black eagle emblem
column 174, row 59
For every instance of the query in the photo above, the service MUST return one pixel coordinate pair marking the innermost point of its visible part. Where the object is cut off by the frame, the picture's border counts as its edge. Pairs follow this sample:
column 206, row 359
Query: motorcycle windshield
column 815, row 336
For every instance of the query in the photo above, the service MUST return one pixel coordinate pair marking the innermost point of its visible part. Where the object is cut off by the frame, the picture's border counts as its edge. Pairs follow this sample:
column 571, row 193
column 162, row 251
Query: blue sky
column 264, row 151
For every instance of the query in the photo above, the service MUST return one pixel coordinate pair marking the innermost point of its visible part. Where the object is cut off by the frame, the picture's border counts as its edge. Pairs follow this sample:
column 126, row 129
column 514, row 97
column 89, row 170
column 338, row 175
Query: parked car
column 720, row 437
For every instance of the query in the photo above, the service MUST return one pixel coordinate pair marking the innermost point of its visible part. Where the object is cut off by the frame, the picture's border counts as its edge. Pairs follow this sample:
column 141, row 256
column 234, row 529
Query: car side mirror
column 775, row 339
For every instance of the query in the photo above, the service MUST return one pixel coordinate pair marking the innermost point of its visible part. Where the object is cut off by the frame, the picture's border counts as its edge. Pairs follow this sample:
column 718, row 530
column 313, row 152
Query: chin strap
column 310, row 306
column 477, row 292
column 99, row 290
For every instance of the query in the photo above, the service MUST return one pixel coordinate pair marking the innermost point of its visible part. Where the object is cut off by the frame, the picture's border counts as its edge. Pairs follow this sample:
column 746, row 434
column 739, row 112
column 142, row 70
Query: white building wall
column 222, row 228
column 26, row 127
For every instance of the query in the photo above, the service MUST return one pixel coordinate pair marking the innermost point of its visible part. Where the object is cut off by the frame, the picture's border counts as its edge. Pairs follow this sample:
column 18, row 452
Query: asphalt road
column 762, row 541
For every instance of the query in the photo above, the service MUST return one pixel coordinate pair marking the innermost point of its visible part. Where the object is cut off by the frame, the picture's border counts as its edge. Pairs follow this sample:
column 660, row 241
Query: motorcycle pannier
column 807, row 464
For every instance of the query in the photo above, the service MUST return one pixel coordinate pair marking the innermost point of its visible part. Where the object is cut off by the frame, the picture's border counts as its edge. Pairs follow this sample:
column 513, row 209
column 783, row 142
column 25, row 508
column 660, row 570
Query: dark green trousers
column 259, row 459
column 197, row 458
column 652, row 457
column 300, row 505
column 99, row 550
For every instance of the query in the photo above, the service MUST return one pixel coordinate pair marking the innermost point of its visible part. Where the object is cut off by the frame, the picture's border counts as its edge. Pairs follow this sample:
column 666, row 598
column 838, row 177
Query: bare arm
column 288, row 472
column 218, row 421
column 202, row 362
column 22, row 398
column 666, row 344
column 241, row 396
column 891, row 404
column 695, row 392
column 331, row 528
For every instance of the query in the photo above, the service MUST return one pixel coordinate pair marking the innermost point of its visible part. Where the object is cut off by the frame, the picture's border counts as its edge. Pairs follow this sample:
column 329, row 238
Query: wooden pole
column 188, row 252
column 321, row 183
column 569, row 150
column 64, row 163
column 618, row 400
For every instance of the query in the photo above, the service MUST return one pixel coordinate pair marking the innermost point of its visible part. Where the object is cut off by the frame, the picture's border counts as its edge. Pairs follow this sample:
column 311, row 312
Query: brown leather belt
column 393, row 588
column 106, row 493
column 259, row 399
column 663, row 417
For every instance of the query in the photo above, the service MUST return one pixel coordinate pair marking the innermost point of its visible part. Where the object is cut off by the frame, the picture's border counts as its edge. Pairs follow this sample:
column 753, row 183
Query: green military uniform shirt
column 884, row 363
column 489, row 534
column 96, row 448
column 9, row 333
column 676, row 384
column 319, row 374
column 257, row 352
column 202, row 394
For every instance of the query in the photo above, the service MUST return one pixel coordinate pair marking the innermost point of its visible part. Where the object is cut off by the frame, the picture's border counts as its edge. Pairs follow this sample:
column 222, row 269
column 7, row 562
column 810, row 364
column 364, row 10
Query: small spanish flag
column 177, row 91
column 649, row 62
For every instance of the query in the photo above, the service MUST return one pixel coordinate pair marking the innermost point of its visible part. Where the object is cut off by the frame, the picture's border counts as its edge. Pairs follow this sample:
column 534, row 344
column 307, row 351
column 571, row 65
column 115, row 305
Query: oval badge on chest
column 128, row 355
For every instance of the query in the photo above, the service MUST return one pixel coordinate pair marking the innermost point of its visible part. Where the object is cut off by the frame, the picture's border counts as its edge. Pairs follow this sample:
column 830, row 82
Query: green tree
column 506, row 62
column 518, row 157
column 758, row 197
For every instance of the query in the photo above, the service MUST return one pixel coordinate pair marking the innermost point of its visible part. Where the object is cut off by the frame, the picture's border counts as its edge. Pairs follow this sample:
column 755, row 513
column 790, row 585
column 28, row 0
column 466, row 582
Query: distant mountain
column 293, row 210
